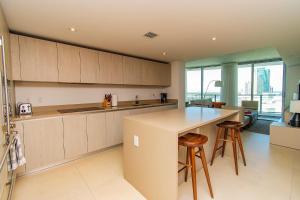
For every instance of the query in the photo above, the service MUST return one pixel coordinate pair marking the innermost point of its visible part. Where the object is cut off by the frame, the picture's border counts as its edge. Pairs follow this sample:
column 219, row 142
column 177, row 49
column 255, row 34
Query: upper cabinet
column 89, row 66
column 132, row 71
column 15, row 57
column 68, row 63
column 111, row 68
column 38, row 60
column 45, row 61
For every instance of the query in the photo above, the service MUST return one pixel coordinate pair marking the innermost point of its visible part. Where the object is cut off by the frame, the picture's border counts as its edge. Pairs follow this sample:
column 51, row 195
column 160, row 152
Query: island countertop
column 181, row 120
column 151, row 151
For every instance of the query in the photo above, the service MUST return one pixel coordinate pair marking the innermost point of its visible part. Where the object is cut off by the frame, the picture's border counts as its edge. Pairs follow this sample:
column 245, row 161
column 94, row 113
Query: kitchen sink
column 71, row 110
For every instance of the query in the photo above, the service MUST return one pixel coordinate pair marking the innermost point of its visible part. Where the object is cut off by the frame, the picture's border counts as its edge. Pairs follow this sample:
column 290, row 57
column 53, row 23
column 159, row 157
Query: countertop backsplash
column 46, row 94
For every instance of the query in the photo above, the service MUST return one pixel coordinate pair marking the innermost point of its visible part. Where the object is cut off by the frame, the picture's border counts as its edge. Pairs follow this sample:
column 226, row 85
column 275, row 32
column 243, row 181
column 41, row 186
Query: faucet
column 137, row 100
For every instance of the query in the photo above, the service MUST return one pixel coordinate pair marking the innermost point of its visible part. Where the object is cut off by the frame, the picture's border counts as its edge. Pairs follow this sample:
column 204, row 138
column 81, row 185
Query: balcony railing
column 268, row 104
column 197, row 96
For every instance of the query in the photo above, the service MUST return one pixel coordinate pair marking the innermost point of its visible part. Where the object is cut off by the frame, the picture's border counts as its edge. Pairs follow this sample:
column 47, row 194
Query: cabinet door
column 75, row 138
column 89, row 64
column 165, row 74
column 15, row 57
column 96, row 131
column 43, row 140
column 114, row 127
column 150, row 73
column 38, row 59
column 132, row 71
column 111, row 68
column 68, row 63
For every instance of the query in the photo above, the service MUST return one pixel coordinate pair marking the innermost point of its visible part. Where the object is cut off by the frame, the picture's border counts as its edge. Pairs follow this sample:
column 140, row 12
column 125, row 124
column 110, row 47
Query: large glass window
column 210, row 76
column 262, row 82
column 267, row 87
column 244, row 83
column 196, row 86
column 193, row 84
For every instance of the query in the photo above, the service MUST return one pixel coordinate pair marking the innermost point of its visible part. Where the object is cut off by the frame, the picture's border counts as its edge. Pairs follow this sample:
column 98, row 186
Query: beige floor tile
column 64, row 183
column 272, row 172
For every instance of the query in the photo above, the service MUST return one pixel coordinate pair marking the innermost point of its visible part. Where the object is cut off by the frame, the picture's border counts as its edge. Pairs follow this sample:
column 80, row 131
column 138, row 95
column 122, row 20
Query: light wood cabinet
column 114, row 127
column 111, row 68
column 38, row 60
column 68, row 63
column 15, row 57
column 43, row 141
column 96, row 131
column 132, row 71
column 45, row 61
column 89, row 64
column 75, row 137
column 150, row 73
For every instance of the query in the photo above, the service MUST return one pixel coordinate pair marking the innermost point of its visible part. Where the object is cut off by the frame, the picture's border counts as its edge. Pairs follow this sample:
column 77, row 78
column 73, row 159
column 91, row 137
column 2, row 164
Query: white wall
column 177, row 88
column 43, row 94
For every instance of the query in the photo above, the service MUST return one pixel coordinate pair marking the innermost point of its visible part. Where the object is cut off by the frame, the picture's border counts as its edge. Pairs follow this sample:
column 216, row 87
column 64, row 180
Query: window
column 262, row 82
column 244, row 83
column 199, row 80
column 210, row 75
column 193, row 84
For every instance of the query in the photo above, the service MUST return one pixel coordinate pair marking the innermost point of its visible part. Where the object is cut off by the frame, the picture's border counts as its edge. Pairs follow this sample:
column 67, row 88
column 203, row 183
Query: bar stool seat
column 234, row 128
column 193, row 141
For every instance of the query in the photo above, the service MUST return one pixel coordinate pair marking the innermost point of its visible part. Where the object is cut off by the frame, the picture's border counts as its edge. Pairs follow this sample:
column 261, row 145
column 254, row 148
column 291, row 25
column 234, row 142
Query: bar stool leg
column 216, row 146
column 187, row 162
column 232, row 134
column 204, row 164
column 241, row 145
column 224, row 142
column 193, row 169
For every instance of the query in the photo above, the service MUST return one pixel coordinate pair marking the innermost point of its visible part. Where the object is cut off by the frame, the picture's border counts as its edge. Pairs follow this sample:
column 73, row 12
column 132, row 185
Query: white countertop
column 181, row 120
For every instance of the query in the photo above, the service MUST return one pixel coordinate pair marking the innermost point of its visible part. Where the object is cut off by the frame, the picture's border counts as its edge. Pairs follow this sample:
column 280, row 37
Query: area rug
column 260, row 126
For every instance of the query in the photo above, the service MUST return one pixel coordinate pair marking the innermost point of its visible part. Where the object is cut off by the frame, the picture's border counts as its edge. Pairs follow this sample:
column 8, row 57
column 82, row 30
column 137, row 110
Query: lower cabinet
column 96, row 131
column 43, row 141
column 52, row 140
column 75, row 137
column 114, row 127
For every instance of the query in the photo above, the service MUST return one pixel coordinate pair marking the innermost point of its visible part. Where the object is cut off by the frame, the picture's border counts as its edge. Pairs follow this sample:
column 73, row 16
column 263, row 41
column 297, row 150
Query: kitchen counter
column 52, row 111
column 150, row 146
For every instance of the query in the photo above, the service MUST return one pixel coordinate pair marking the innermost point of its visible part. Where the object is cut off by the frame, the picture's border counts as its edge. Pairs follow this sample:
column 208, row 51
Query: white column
column 177, row 88
column 230, row 84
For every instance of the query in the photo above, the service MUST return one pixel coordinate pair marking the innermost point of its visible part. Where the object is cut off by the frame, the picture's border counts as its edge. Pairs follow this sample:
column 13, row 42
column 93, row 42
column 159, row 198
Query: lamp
column 295, row 108
column 218, row 83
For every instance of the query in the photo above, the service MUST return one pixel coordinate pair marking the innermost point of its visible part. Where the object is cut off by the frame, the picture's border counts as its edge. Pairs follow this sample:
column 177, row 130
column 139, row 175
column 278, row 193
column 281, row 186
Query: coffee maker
column 163, row 97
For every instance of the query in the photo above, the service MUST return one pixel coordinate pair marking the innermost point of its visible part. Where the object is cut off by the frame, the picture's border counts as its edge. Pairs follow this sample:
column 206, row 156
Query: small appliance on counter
column 24, row 109
column 114, row 100
column 163, row 97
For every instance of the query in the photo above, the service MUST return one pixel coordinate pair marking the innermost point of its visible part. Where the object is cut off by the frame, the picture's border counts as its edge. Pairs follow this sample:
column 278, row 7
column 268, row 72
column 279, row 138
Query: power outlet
column 136, row 141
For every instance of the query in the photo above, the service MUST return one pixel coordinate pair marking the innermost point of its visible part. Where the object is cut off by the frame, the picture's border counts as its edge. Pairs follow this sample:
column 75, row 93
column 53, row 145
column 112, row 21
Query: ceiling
column 247, row 56
column 185, row 28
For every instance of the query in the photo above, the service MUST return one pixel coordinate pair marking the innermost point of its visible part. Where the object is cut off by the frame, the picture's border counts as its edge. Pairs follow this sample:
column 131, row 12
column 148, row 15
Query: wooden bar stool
column 235, row 135
column 193, row 141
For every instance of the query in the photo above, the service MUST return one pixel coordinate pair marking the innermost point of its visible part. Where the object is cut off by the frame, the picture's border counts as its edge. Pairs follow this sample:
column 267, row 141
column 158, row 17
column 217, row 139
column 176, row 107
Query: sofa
column 250, row 110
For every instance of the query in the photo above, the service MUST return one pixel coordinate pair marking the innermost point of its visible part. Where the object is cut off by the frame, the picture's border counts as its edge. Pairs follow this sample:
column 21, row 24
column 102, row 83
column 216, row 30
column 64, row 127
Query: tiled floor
column 272, row 172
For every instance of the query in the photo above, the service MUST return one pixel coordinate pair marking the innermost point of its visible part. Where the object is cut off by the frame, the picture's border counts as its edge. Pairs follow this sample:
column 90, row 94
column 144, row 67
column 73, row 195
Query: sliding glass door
column 262, row 82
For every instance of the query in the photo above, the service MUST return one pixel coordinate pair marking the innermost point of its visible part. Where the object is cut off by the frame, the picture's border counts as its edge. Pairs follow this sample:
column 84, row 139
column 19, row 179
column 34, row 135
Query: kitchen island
column 151, row 150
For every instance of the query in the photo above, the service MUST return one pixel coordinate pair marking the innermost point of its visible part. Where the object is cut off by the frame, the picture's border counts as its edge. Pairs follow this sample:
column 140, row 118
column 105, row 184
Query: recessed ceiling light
column 72, row 29
column 214, row 38
column 164, row 53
